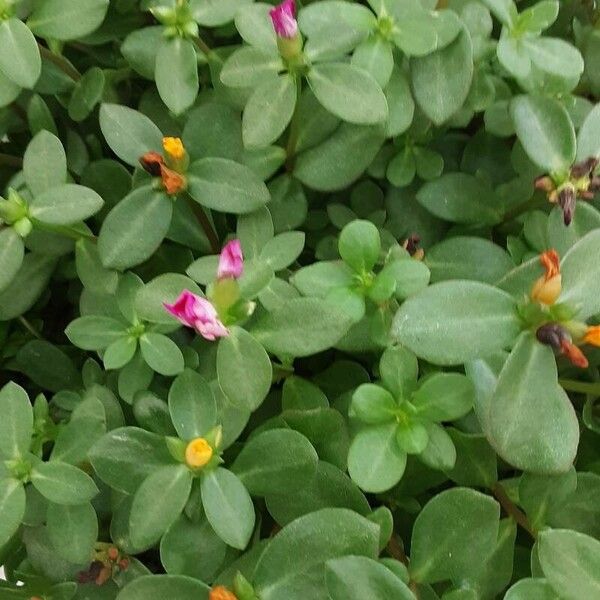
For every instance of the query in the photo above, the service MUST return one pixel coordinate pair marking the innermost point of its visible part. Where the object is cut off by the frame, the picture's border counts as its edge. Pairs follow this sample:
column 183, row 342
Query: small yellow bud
column 198, row 453
column 174, row 148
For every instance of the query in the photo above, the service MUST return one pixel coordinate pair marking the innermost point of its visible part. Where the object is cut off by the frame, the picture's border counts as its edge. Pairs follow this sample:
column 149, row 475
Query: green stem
column 581, row 387
column 206, row 49
column 62, row 63
column 27, row 325
column 206, row 225
column 290, row 149
column 511, row 509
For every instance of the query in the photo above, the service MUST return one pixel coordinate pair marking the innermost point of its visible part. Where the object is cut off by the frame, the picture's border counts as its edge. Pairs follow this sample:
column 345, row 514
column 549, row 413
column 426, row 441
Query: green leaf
column 455, row 321
column 12, row 508
column 228, row 507
column 460, row 198
column 297, row 554
column 348, row 92
column 95, row 332
column 129, row 133
column 134, row 228
column 444, row 397
column 226, row 186
column 504, row 10
column 87, row 94
column 340, row 158
column 192, row 548
column 438, row 95
column 437, row 553
column 375, row 56
column 276, row 460
column 398, row 368
column 16, row 425
column 159, row 587
column 192, row 405
column 359, row 245
column 20, row 58
column 243, row 369
column 282, row 250
column 301, row 327
column 464, row 257
column 12, row 253
column 571, row 563
column 177, row 74
column 320, row 278
column 65, row 204
column 44, row 163
column 545, row 130
column 67, row 19
column 157, row 504
column 269, row 111
column 373, row 405
column 440, row 453
column 73, row 531
column 555, row 57
column 588, row 137
column 532, row 422
column 375, row 461
column 248, row 67
column 400, row 103
column 26, row 286
column 476, row 462
column 358, row 577
column 119, row 353
column 531, row 589
column 125, row 457
column 62, row 483
column 580, row 273
column 162, row 354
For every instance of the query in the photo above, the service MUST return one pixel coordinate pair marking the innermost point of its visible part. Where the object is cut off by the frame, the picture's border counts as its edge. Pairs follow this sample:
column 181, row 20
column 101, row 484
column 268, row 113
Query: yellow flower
column 592, row 335
column 547, row 288
column 198, row 453
column 173, row 148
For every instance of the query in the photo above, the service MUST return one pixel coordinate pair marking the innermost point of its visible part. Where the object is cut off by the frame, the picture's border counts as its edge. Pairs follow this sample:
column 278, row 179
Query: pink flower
column 231, row 261
column 284, row 20
column 198, row 313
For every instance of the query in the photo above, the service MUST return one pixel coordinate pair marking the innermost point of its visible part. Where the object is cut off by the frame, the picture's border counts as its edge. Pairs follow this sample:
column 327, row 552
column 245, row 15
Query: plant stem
column 581, row 387
column 11, row 161
column 206, row 50
column 290, row 149
column 396, row 550
column 62, row 63
column 206, row 225
column 511, row 509
column 27, row 325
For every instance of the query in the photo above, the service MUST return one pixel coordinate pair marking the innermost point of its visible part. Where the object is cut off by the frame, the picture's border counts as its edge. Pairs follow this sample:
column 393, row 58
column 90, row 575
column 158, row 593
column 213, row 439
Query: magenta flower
column 284, row 19
column 198, row 313
column 231, row 261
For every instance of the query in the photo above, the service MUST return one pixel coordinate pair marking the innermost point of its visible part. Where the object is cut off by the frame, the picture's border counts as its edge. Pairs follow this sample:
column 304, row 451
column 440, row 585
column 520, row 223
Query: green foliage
column 301, row 308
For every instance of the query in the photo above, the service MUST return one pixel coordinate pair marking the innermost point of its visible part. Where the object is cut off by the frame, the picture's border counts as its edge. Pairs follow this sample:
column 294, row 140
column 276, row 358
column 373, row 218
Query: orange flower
column 173, row 147
column 574, row 354
column 221, row 593
column 547, row 288
column 592, row 335
column 198, row 453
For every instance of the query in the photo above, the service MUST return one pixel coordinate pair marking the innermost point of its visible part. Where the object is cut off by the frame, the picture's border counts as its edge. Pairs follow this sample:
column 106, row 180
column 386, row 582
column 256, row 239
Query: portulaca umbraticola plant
column 299, row 300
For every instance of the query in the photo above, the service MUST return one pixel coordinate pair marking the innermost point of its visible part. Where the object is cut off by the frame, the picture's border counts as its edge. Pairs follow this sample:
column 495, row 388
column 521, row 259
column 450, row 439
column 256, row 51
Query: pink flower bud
column 231, row 261
column 198, row 313
column 284, row 19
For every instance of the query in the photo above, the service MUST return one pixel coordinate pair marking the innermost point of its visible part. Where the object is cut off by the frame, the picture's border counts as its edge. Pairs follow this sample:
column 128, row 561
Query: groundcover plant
column 299, row 301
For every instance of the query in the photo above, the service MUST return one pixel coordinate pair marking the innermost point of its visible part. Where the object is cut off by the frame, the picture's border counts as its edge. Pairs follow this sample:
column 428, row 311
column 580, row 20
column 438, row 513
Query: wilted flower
column 198, row 313
column 547, row 288
column 558, row 338
column 231, row 261
column 171, row 174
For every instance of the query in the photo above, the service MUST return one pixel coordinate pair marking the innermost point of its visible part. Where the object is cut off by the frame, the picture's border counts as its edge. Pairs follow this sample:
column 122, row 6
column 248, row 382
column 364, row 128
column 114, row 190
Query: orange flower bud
column 152, row 163
column 104, row 575
column 547, row 288
column 221, row 593
column 174, row 148
column 574, row 354
column 198, row 453
column 592, row 335
column 112, row 554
